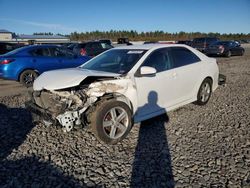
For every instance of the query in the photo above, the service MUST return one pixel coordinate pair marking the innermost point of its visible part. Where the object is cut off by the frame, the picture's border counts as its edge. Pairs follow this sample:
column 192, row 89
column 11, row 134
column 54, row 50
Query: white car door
column 188, row 72
column 156, row 92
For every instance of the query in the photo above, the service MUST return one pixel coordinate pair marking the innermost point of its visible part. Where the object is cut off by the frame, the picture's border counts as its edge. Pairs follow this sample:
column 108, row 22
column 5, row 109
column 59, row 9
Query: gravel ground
column 194, row 146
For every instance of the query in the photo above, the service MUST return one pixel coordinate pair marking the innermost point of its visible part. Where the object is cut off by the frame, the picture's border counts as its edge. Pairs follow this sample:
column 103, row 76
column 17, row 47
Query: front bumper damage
column 67, row 118
column 38, row 113
column 69, row 107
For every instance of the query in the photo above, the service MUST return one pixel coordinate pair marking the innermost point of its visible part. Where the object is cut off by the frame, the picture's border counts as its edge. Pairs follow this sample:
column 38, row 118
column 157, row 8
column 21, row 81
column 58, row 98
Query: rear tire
column 242, row 52
column 204, row 92
column 110, row 121
column 229, row 53
column 27, row 77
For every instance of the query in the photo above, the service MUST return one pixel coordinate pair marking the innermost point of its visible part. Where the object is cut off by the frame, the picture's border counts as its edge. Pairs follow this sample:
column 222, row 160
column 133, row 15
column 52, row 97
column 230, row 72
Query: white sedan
column 123, row 86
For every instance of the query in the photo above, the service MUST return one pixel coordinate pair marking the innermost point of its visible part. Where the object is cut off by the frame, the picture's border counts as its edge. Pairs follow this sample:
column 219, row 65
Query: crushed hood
column 65, row 78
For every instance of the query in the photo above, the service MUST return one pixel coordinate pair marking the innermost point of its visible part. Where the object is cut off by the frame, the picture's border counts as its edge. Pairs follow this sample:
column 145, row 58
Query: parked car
column 187, row 42
column 122, row 86
column 7, row 47
column 150, row 42
column 123, row 40
column 26, row 63
column 202, row 43
column 92, row 48
column 225, row 48
column 106, row 41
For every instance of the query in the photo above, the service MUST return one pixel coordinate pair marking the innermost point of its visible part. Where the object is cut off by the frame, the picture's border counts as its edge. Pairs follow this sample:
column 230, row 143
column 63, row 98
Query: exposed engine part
column 71, row 118
column 76, row 98
column 68, row 120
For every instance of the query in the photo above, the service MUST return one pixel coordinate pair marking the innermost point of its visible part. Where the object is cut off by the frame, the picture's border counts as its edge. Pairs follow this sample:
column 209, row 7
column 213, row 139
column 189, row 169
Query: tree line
column 149, row 36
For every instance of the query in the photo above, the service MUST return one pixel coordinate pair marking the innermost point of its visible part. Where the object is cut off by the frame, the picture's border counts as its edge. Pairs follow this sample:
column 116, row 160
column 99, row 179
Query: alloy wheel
column 115, row 122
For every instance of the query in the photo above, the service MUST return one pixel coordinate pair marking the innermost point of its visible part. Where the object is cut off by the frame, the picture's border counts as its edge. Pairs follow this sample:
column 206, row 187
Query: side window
column 96, row 46
column 183, row 56
column 40, row 52
column 159, row 59
column 234, row 44
column 57, row 52
column 105, row 46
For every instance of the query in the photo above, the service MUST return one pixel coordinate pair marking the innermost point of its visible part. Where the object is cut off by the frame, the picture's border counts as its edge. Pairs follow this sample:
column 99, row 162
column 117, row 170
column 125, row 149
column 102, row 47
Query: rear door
column 188, row 68
column 65, row 58
column 42, row 60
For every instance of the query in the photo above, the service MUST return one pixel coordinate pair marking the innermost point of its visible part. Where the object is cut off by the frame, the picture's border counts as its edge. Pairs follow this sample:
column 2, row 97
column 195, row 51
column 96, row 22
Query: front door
column 156, row 92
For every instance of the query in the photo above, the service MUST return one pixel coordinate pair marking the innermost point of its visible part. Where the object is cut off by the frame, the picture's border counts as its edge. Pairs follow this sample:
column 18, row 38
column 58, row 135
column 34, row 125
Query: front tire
column 204, row 92
column 111, row 121
column 27, row 77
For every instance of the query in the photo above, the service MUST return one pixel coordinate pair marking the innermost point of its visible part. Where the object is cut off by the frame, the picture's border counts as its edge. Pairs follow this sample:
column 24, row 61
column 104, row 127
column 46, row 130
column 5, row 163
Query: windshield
column 118, row 61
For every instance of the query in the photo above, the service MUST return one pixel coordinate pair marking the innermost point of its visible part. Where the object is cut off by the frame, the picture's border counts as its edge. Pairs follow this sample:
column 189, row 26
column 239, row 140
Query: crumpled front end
column 63, row 106
column 67, row 106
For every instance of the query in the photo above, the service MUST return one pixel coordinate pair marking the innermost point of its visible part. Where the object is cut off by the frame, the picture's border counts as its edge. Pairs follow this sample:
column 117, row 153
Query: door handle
column 174, row 75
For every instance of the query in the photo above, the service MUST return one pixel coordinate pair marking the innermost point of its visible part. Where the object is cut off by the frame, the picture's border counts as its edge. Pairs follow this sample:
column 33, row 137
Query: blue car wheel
column 27, row 77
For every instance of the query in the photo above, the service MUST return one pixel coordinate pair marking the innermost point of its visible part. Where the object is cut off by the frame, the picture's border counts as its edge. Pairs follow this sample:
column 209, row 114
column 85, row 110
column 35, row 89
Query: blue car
column 26, row 63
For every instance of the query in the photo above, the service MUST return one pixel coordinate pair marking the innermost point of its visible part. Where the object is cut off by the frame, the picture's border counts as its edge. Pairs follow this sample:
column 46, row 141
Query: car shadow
column 152, row 163
column 31, row 171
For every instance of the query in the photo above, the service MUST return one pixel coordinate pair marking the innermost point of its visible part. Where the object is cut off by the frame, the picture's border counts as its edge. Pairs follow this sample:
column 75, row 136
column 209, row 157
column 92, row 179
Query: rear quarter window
column 183, row 56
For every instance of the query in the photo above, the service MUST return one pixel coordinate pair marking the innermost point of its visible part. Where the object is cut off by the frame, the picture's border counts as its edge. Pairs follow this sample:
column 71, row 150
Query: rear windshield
column 106, row 46
column 16, row 51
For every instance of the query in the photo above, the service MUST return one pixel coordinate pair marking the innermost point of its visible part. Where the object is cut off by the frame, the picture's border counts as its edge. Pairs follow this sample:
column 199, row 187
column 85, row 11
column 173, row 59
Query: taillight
column 221, row 47
column 83, row 52
column 6, row 61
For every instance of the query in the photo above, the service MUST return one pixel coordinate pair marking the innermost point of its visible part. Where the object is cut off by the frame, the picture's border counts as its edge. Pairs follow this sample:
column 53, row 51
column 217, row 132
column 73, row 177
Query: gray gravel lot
column 194, row 146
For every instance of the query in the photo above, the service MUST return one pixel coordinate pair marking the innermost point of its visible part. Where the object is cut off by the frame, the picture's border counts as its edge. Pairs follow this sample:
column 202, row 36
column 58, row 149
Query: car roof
column 149, row 46
column 25, row 49
column 38, row 46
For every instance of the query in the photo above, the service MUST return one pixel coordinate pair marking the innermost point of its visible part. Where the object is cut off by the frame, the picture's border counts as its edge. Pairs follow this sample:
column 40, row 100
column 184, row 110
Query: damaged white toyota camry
column 123, row 86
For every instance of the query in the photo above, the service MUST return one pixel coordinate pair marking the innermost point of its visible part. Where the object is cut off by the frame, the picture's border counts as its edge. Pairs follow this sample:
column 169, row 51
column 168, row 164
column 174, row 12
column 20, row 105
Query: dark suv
column 7, row 47
column 91, row 49
column 202, row 43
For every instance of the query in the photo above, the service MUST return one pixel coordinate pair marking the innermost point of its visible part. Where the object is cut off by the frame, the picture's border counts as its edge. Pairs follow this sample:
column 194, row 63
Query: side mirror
column 147, row 71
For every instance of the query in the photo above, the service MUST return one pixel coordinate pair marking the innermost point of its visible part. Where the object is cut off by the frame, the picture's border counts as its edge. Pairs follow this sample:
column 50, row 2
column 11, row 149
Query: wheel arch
column 200, row 82
column 118, row 97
